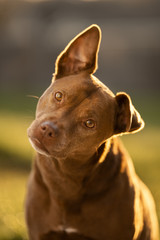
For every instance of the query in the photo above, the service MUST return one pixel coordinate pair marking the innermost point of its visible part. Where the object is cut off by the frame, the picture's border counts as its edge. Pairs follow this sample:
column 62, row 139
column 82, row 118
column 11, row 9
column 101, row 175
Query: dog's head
column 77, row 113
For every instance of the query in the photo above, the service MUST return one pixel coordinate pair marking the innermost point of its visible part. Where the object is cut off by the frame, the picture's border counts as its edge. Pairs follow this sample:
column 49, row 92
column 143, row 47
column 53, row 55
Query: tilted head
column 77, row 113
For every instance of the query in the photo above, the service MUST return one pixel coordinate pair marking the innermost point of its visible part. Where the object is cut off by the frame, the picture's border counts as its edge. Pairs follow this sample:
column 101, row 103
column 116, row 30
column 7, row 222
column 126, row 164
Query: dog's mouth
column 38, row 146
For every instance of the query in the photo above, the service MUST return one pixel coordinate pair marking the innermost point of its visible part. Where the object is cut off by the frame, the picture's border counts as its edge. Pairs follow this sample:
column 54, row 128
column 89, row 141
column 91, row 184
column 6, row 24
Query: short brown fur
column 83, row 184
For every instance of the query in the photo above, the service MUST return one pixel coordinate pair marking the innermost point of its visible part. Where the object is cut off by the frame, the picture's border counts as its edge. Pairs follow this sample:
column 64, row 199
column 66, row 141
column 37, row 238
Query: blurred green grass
column 16, row 156
column 12, row 192
column 15, row 162
column 13, row 139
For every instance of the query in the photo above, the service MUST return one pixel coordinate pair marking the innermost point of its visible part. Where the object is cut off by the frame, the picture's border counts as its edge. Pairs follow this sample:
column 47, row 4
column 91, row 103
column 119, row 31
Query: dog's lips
column 38, row 146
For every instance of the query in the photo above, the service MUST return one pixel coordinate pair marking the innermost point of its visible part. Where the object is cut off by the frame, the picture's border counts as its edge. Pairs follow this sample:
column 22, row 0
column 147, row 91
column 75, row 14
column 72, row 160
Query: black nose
column 48, row 129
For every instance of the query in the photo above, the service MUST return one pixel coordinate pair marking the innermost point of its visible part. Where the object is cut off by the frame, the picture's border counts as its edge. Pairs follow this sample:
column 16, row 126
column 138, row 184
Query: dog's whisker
column 32, row 96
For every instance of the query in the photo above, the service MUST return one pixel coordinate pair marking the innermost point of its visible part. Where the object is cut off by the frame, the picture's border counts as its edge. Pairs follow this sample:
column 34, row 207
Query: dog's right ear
column 80, row 54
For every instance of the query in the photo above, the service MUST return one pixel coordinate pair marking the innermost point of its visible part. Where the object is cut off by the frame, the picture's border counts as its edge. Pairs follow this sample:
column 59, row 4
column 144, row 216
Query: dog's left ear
column 127, row 119
column 80, row 54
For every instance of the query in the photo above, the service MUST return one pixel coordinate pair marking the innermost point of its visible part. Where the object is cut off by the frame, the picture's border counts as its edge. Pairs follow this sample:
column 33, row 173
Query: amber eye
column 58, row 96
column 90, row 123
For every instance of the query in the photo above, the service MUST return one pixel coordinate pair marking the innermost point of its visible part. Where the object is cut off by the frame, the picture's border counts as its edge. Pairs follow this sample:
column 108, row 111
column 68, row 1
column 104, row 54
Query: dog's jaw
column 38, row 147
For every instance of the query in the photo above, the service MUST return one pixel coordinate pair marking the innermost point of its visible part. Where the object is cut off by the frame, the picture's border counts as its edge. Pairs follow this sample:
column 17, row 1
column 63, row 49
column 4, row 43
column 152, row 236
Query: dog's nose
column 48, row 129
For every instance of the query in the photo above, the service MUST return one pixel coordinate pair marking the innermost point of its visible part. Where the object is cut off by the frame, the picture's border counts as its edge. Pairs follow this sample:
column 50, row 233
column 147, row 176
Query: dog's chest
column 79, row 220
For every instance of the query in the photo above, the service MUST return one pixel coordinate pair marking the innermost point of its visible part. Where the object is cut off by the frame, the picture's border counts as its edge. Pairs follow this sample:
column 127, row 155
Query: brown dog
column 83, row 184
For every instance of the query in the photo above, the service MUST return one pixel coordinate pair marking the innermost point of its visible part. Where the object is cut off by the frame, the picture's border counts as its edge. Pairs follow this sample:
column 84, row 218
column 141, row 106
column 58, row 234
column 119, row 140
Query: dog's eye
column 58, row 96
column 90, row 123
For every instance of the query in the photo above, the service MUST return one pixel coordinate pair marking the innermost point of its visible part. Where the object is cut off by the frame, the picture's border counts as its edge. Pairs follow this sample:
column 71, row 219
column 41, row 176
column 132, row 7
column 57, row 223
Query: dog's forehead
column 78, row 90
column 80, row 84
column 75, row 83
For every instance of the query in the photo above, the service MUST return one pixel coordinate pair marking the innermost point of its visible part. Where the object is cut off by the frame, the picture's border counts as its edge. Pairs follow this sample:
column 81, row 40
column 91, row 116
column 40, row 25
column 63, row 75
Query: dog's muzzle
column 42, row 136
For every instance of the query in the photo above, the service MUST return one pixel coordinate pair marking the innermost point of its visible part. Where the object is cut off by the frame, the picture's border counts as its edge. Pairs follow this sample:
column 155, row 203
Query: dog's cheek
column 85, row 143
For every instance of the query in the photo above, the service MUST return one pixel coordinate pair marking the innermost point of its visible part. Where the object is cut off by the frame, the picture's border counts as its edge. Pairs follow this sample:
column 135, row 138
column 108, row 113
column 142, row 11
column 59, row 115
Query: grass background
column 16, row 154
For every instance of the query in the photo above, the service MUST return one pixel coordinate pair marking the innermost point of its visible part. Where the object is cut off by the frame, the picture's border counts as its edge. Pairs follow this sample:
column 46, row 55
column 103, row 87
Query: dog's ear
column 80, row 54
column 127, row 119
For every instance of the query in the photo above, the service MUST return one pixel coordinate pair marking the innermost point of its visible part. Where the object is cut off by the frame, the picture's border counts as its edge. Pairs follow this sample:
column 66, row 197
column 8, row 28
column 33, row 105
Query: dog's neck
column 69, row 179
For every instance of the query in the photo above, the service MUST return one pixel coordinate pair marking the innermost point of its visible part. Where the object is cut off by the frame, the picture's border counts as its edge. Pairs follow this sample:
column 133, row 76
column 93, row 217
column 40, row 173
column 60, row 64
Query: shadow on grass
column 14, row 162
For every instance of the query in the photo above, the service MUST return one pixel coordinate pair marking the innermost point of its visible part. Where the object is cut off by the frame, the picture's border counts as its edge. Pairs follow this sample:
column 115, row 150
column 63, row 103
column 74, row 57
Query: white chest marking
column 71, row 230
column 67, row 229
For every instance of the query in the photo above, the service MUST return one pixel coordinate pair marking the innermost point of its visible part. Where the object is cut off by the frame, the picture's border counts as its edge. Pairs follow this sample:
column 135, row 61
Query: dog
column 83, row 184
